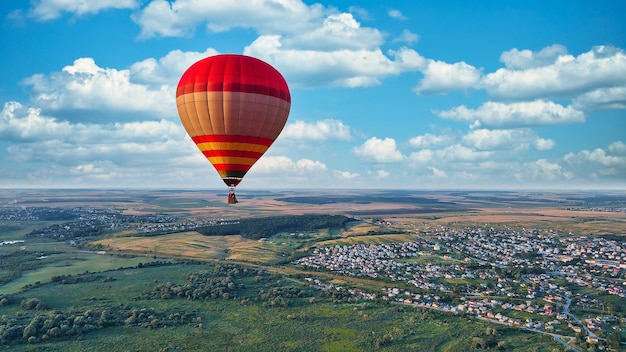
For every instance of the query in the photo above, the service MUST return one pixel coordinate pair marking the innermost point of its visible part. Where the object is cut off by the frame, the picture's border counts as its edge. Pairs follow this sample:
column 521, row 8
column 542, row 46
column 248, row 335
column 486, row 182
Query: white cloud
column 460, row 153
column 311, row 45
column 552, row 73
column 346, row 175
column 441, row 77
column 282, row 164
column 438, row 173
column 617, row 148
column 344, row 68
column 596, row 163
column 544, row 170
column 87, row 91
column 407, row 37
column 45, row 10
column 27, row 126
column 88, row 87
column 421, row 157
column 337, row 32
column 601, row 99
column 515, row 59
column 484, row 139
column 317, row 131
column 180, row 17
column 522, row 114
column 430, row 140
column 379, row 150
column 380, row 174
column 20, row 124
column 542, row 144
column 397, row 14
column 167, row 69
column 133, row 153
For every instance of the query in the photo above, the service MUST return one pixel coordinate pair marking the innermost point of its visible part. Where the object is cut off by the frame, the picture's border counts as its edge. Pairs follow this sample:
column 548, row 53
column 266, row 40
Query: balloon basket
column 232, row 199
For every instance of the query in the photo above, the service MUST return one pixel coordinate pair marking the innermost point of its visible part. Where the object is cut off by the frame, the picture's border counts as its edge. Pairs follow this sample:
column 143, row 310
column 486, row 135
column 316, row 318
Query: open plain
column 431, row 271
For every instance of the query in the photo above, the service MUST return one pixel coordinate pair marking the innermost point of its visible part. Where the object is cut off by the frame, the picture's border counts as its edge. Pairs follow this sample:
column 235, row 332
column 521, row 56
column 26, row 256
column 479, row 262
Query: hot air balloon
column 233, row 107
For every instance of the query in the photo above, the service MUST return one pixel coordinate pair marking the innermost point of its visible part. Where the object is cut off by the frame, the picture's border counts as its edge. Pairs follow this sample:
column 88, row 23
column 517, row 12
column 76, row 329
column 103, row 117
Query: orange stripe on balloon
column 232, row 160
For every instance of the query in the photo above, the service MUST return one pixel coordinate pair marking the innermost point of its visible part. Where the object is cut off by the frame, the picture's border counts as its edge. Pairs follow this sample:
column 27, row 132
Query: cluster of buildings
column 591, row 261
column 83, row 222
column 522, row 271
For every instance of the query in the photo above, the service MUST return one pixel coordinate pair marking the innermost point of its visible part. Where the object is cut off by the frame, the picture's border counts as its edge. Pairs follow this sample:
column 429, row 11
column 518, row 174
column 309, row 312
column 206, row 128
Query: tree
column 614, row 339
column 478, row 342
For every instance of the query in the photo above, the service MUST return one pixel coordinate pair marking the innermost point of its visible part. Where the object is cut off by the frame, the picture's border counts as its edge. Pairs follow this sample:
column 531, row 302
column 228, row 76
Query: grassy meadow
column 247, row 320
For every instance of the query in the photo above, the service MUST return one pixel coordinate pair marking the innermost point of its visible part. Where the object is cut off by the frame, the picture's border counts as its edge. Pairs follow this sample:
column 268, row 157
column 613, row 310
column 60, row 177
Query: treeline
column 55, row 325
column 15, row 263
column 257, row 228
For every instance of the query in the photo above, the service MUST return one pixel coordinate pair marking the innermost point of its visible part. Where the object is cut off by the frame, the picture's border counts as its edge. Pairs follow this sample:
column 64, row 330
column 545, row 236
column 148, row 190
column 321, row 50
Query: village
column 530, row 278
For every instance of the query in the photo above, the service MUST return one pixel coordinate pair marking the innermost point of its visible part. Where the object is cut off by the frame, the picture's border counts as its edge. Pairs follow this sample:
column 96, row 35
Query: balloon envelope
column 233, row 107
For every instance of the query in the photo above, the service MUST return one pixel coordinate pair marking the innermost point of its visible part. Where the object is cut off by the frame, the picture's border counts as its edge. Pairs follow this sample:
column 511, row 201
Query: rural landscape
column 319, row 270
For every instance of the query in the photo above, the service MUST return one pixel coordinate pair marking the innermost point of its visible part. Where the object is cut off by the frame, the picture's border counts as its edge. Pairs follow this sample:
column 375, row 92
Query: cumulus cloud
column 282, row 164
column 438, row 173
column 167, row 69
column 343, row 68
column 88, row 87
column 311, row 45
column 421, row 157
column 337, row 31
column 318, row 131
column 380, row 174
column 81, row 151
column 461, row 153
column 618, row 148
column 430, row 140
column 484, row 139
column 601, row 99
column 553, row 73
column 397, row 14
column 544, row 170
column 516, row 59
column 379, row 150
column 522, row 114
column 45, row 10
column 442, row 77
column 90, row 91
column 600, row 158
column 180, row 17
column 346, row 175
column 407, row 37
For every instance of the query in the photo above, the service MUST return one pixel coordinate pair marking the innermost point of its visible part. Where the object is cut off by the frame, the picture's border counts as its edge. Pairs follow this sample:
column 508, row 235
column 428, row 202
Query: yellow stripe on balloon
column 231, row 160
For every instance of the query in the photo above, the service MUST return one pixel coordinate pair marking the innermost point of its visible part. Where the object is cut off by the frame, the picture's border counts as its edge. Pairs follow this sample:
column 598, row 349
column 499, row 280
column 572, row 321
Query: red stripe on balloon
column 232, row 139
column 232, row 167
column 237, row 87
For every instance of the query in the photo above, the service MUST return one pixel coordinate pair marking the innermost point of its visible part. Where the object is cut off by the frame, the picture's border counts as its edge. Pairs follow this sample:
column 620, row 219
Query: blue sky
column 403, row 94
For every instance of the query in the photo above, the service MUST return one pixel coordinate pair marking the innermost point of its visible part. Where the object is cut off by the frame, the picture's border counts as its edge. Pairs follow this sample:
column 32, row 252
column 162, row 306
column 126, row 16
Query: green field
column 245, row 321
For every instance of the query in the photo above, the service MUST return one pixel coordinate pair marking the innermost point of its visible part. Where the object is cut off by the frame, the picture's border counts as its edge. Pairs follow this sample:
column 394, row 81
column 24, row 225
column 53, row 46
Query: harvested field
column 576, row 222
column 195, row 246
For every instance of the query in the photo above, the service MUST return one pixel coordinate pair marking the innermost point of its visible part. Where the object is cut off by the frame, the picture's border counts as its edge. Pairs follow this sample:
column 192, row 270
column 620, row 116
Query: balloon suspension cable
column 232, row 199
